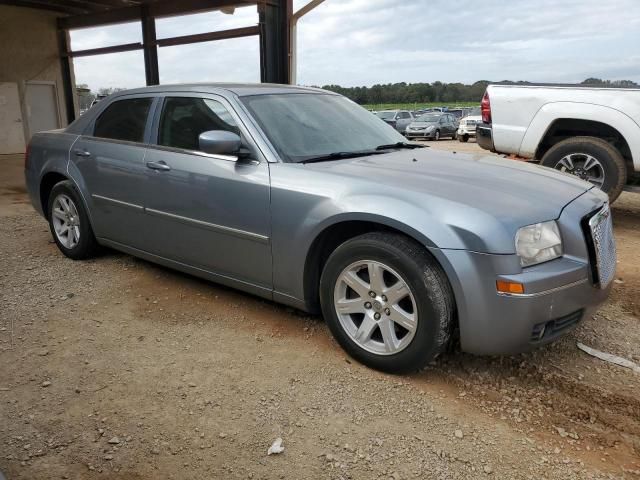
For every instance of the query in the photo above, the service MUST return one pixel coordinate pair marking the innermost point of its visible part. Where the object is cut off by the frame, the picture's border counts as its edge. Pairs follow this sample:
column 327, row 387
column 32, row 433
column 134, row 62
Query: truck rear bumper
column 484, row 136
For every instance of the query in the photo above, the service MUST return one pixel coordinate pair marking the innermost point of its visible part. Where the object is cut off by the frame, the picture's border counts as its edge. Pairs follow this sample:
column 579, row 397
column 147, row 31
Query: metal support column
column 150, row 49
column 68, row 86
column 274, row 18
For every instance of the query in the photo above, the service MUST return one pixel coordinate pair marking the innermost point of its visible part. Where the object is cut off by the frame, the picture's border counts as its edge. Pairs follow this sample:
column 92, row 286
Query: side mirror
column 219, row 142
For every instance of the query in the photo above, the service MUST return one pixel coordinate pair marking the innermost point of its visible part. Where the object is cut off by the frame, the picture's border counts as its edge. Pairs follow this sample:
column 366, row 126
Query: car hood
column 473, row 193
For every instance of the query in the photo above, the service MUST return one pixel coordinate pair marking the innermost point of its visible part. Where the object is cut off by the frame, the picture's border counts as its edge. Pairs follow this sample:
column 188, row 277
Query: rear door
column 207, row 211
column 109, row 159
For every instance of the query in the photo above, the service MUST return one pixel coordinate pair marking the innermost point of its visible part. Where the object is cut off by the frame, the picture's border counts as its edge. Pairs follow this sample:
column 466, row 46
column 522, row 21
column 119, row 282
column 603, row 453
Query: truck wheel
column 387, row 302
column 69, row 222
column 592, row 159
column 464, row 138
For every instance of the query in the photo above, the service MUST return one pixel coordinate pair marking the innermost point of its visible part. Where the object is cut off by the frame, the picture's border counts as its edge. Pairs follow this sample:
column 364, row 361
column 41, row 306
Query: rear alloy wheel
column 387, row 302
column 69, row 222
column 591, row 159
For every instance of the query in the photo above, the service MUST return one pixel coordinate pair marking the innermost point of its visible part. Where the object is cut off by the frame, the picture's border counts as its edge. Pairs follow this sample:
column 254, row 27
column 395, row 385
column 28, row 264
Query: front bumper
column 419, row 134
column 484, row 136
column 470, row 132
column 558, row 294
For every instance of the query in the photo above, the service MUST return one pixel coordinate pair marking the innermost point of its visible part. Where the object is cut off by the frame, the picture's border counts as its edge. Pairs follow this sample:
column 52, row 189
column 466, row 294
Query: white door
column 11, row 131
column 42, row 107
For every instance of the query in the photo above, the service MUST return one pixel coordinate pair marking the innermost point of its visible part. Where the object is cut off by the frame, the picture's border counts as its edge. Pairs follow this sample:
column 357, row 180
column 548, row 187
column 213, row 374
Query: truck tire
column 464, row 138
column 387, row 302
column 592, row 159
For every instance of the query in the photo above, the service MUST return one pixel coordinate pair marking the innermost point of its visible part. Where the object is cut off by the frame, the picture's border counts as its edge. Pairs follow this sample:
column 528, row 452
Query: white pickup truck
column 593, row 133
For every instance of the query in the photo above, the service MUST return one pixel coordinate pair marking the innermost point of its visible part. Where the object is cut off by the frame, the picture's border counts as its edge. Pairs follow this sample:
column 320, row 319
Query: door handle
column 161, row 165
column 82, row 153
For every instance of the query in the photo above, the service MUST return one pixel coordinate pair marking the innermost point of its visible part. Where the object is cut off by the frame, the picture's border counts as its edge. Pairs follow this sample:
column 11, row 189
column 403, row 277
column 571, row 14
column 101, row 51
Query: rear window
column 124, row 120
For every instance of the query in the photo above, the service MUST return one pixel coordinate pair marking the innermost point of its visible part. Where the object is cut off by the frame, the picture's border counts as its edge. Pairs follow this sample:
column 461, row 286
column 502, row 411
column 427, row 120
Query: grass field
column 418, row 106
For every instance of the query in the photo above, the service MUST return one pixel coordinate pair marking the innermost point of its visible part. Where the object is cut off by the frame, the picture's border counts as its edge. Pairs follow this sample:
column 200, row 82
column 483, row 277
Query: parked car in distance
column 398, row 119
column 300, row 196
column 432, row 126
column 590, row 132
column 467, row 125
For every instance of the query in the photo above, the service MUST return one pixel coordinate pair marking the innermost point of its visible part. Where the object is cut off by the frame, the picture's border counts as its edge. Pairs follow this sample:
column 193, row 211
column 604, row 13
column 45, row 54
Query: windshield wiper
column 339, row 156
column 390, row 146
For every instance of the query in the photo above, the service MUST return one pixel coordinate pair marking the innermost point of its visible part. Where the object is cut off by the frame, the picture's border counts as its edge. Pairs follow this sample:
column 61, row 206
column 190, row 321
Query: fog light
column 509, row 287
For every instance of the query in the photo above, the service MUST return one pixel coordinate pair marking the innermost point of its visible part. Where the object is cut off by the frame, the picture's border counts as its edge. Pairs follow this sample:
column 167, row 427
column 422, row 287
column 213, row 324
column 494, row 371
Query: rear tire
column 69, row 222
column 411, row 283
column 590, row 158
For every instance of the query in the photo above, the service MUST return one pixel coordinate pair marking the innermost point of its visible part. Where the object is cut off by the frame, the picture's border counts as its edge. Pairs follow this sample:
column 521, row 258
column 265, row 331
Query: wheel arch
column 557, row 121
column 339, row 231
column 47, row 182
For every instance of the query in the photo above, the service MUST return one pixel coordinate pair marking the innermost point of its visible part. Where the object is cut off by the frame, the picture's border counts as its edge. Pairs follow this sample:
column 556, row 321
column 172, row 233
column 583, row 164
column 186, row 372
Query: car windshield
column 387, row 114
column 429, row 118
column 303, row 126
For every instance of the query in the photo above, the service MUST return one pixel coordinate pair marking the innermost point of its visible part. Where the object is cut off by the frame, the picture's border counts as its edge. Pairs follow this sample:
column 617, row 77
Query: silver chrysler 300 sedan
column 301, row 196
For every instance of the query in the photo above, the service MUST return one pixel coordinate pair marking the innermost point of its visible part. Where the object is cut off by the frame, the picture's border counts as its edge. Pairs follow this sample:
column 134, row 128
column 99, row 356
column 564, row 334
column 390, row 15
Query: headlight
column 538, row 243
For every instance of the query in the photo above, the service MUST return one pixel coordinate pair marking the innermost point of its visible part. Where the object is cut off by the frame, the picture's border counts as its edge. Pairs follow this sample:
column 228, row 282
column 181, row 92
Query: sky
column 364, row 42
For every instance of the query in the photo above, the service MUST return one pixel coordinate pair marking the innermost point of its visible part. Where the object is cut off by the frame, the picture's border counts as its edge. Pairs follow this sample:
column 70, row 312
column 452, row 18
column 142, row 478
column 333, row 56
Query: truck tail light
column 485, row 108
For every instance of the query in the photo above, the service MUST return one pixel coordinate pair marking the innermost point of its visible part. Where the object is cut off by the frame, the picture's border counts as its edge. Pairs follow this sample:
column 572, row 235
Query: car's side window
column 183, row 119
column 124, row 120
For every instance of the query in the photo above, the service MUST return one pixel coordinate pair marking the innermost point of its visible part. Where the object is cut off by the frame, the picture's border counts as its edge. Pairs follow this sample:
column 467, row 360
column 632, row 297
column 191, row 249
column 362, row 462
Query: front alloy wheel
column 387, row 301
column 375, row 307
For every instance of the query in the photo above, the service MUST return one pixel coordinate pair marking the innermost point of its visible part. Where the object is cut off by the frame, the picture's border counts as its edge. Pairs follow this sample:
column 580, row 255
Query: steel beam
column 125, row 47
column 67, row 75
column 209, row 37
column 165, row 8
column 274, row 17
column 150, row 50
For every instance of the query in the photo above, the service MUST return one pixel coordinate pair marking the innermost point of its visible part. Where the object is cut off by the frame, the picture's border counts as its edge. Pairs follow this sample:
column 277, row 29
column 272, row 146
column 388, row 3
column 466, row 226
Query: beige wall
column 29, row 51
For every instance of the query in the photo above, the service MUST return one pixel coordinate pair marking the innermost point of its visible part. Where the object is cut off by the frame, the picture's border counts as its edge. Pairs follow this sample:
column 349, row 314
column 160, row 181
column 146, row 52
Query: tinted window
column 405, row 115
column 185, row 118
column 124, row 120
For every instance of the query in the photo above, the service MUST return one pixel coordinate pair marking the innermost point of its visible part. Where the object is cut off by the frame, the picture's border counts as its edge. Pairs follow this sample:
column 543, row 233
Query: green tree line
column 404, row 93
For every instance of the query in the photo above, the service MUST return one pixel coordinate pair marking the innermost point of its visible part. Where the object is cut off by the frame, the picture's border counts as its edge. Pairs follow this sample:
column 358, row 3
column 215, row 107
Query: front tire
column 387, row 302
column 464, row 138
column 69, row 222
column 436, row 136
column 591, row 159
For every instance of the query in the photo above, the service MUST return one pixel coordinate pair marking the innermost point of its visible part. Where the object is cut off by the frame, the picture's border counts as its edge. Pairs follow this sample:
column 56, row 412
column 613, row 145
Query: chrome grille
column 604, row 244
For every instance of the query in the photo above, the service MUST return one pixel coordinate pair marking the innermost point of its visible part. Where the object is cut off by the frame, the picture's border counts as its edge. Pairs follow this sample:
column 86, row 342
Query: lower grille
column 553, row 328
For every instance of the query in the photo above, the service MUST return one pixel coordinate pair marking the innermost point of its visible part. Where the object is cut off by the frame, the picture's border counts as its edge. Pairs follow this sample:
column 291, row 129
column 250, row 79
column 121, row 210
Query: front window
column 429, row 118
column 183, row 119
column 386, row 115
column 302, row 126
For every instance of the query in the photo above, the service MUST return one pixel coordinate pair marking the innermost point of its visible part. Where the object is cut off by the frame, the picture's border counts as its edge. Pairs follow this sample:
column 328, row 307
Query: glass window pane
column 124, row 120
column 183, row 119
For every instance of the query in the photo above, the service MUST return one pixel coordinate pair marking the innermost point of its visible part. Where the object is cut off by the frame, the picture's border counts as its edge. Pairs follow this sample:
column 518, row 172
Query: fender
column 553, row 111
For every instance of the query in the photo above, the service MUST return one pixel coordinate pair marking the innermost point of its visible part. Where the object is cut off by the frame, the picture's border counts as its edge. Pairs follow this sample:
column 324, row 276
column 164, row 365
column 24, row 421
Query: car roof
column 240, row 89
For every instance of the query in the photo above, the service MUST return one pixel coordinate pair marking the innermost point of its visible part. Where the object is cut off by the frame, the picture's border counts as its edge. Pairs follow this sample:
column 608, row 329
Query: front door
column 110, row 160
column 207, row 211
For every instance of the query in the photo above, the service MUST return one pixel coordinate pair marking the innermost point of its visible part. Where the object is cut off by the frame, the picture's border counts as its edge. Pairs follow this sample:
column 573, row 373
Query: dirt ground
column 116, row 368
